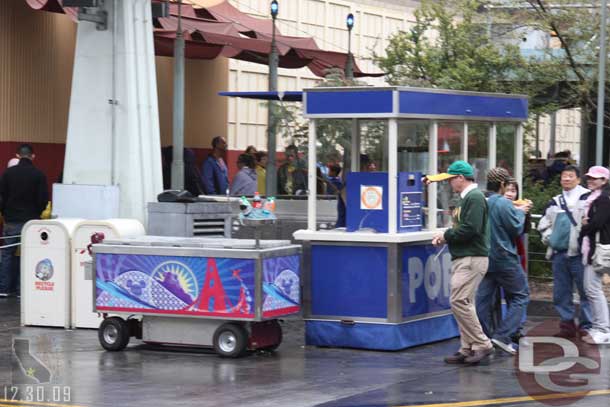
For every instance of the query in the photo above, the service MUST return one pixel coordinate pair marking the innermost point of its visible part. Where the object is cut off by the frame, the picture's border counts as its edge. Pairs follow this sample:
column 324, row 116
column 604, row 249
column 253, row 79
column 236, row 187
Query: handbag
column 601, row 257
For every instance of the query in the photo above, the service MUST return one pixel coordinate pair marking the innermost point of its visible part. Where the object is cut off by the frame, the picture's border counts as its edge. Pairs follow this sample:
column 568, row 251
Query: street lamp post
column 601, row 86
column 178, row 124
column 271, row 173
column 349, row 65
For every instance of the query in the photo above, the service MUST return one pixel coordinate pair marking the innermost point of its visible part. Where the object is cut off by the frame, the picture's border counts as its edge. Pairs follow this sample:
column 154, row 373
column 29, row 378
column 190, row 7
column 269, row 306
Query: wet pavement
column 70, row 368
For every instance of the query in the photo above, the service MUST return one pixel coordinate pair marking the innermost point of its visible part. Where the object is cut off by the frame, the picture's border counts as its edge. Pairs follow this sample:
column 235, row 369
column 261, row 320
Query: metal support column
column 392, row 175
column 311, row 178
column 432, row 169
column 178, row 125
column 601, row 87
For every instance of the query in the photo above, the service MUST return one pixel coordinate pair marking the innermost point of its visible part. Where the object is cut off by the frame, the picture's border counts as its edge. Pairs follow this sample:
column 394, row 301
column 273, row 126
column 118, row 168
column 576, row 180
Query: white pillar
column 492, row 145
column 519, row 156
column 355, row 153
column 311, row 177
column 113, row 126
column 465, row 143
column 392, row 175
column 432, row 169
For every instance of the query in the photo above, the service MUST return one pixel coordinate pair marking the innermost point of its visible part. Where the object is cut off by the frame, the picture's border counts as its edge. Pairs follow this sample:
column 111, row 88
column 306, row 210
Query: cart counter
column 375, row 290
column 197, row 277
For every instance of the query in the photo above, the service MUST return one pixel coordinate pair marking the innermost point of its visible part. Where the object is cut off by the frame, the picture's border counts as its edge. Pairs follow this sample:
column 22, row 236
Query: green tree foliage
column 447, row 50
column 471, row 45
column 540, row 194
column 573, row 47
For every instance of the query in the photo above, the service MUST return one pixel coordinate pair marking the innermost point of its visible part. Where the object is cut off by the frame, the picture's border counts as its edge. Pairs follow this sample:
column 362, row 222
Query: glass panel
column 373, row 145
column 450, row 138
column 334, row 150
column 413, row 142
column 478, row 151
column 334, row 146
column 413, row 146
column 505, row 143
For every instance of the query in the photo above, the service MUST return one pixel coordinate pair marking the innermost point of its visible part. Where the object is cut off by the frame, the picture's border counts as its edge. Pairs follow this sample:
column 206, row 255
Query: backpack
column 560, row 236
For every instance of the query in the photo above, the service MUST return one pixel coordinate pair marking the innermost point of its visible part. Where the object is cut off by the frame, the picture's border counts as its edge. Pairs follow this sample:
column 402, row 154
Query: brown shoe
column 478, row 355
column 457, row 358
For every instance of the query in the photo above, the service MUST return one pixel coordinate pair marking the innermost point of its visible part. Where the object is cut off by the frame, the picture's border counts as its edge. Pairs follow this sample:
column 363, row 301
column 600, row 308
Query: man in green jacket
column 468, row 242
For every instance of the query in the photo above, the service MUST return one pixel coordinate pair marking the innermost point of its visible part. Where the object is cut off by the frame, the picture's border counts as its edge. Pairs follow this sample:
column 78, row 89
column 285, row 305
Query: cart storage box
column 45, row 272
column 83, row 315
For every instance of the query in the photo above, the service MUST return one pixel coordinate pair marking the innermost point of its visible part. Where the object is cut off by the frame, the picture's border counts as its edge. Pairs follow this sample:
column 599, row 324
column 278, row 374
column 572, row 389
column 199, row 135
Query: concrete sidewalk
column 295, row 375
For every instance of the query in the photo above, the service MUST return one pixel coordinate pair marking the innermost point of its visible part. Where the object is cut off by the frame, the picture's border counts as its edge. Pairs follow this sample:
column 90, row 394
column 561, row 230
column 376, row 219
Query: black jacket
column 24, row 193
column 599, row 221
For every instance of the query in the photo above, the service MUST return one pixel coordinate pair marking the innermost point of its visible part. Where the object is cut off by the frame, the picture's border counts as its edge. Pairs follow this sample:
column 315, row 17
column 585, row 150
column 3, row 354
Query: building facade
column 325, row 21
column 37, row 54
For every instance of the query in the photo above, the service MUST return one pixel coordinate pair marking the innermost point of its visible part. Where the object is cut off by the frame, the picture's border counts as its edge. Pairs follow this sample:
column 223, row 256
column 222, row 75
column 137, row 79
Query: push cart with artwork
column 220, row 293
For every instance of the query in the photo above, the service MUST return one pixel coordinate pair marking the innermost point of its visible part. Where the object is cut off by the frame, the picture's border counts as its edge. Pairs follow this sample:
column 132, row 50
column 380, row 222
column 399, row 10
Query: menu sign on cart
column 410, row 209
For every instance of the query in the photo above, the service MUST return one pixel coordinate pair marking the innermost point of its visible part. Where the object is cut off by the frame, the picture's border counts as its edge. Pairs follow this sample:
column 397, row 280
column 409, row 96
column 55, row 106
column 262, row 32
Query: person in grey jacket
column 567, row 260
column 244, row 182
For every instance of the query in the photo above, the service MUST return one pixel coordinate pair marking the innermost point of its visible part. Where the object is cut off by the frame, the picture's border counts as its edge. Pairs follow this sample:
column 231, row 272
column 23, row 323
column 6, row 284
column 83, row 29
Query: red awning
column 53, row 6
column 224, row 30
column 228, row 13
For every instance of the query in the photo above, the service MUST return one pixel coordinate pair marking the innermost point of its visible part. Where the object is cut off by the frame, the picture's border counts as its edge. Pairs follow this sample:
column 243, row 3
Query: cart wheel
column 275, row 325
column 113, row 334
column 230, row 340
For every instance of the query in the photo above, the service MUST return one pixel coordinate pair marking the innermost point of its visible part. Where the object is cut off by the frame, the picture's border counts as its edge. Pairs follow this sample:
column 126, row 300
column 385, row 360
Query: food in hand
column 521, row 202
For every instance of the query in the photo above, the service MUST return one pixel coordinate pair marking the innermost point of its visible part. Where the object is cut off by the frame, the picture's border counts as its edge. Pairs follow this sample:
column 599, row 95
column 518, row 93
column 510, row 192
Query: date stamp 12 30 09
column 36, row 393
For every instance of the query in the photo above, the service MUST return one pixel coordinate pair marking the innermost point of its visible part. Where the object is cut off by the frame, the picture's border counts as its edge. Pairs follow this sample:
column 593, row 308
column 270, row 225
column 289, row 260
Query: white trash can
column 82, row 315
column 45, row 272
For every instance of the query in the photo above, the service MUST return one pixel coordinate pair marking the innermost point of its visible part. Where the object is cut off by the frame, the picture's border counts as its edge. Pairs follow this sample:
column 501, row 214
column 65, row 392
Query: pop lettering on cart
column 426, row 280
column 434, row 276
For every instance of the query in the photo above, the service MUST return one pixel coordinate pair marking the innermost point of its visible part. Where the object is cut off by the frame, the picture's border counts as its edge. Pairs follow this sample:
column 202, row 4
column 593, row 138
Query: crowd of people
column 212, row 178
column 485, row 243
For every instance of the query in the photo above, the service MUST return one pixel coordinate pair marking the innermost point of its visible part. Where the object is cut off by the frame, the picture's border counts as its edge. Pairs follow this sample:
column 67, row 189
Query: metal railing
column 533, row 255
column 12, row 244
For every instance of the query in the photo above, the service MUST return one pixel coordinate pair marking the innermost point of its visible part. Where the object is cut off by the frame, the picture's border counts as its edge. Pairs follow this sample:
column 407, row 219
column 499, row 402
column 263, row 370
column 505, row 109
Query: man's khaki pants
column 466, row 275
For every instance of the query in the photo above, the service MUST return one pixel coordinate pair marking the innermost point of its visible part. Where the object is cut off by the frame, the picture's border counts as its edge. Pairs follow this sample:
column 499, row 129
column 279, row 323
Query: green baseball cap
column 455, row 169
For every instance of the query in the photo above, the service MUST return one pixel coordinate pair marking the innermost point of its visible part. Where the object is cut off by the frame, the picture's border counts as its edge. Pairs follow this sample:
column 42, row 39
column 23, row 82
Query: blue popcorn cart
column 377, row 282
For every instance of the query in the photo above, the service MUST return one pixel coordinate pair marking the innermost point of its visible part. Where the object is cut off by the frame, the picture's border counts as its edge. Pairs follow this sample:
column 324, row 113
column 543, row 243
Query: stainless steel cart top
column 198, row 242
